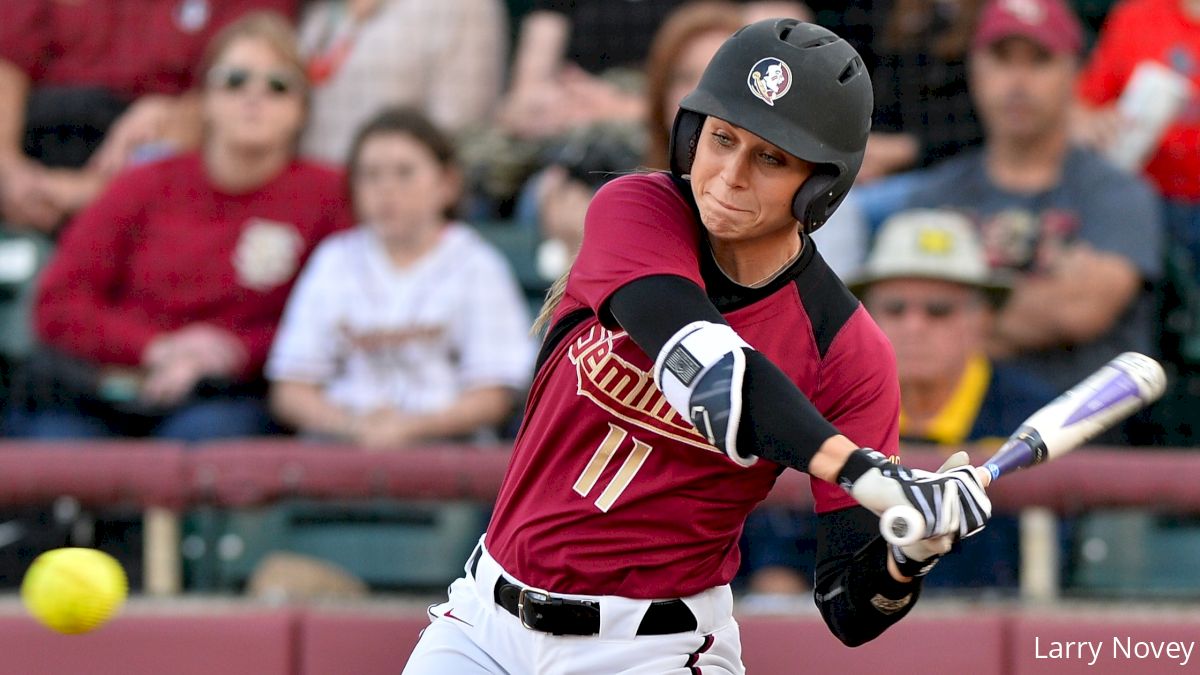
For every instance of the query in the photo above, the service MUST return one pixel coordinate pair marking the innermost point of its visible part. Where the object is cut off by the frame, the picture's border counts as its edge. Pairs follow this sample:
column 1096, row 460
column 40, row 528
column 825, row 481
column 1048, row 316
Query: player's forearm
column 856, row 586
column 14, row 91
column 776, row 421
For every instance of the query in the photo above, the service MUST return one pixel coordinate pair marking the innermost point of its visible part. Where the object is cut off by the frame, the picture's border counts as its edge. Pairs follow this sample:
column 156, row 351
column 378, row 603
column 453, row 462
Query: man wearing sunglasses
column 927, row 284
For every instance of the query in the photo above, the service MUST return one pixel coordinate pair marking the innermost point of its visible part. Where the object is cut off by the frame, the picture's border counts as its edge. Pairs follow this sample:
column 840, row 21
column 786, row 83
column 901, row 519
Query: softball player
column 699, row 347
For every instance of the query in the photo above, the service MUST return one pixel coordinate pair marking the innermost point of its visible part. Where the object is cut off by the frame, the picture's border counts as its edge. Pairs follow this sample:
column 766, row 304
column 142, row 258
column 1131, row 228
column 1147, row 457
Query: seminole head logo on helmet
column 769, row 79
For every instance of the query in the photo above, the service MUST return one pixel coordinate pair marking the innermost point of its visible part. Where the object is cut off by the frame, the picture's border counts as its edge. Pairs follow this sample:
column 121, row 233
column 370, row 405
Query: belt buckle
column 536, row 595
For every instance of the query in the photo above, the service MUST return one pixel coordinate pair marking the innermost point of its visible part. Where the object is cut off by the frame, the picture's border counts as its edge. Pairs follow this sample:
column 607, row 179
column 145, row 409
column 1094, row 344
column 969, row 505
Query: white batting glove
column 950, row 502
column 915, row 560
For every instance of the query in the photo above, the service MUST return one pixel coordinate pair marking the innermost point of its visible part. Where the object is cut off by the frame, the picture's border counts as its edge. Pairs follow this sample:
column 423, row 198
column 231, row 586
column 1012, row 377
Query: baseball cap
column 936, row 244
column 1049, row 23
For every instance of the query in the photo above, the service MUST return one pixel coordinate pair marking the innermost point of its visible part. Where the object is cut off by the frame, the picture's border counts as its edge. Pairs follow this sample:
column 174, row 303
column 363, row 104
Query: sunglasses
column 235, row 78
column 895, row 308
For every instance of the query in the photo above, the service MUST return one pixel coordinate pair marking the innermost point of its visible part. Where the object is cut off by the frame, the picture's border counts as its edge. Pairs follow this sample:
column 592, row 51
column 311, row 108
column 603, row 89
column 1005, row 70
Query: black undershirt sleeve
column 856, row 594
column 778, row 421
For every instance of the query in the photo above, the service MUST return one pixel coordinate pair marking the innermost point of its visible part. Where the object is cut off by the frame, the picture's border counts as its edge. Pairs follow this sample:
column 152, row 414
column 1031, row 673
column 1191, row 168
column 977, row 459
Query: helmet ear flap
column 815, row 200
column 685, row 132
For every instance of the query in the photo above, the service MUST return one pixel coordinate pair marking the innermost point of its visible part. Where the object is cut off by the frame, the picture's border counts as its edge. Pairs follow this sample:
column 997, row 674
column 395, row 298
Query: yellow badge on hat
column 935, row 240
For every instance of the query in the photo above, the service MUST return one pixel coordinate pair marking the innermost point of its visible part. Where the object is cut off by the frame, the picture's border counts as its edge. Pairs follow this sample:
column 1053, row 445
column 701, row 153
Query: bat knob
column 902, row 525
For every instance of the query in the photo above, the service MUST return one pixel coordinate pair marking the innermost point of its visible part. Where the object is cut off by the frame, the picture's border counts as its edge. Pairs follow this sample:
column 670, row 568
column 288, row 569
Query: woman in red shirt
column 157, row 311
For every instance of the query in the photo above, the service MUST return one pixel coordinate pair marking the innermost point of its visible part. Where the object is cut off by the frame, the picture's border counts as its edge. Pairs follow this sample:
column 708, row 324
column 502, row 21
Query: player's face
column 934, row 326
column 744, row 185
column 1021, row 90
column 254, row 100
column 400, row 187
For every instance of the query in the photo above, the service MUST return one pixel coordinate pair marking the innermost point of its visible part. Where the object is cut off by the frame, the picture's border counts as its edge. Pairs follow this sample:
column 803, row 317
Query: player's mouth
column 725, row 205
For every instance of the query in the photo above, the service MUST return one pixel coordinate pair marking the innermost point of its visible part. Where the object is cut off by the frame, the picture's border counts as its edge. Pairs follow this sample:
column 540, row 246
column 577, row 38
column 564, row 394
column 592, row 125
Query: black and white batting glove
column 915, row 560
column 952, row 502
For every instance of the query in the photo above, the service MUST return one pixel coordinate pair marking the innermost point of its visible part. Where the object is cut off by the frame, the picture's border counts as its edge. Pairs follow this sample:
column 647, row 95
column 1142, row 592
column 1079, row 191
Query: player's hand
column 953, row 502
column 915, row 560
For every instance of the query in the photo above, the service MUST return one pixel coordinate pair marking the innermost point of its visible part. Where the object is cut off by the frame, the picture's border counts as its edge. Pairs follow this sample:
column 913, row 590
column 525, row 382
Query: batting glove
column 951, row 503
column 915, row 560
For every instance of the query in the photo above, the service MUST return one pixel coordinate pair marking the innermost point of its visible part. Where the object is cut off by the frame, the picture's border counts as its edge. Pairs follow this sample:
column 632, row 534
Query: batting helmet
column 799, row 87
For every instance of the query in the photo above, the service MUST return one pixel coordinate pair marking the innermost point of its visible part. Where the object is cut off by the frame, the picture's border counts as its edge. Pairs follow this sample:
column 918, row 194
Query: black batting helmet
column 799, row 87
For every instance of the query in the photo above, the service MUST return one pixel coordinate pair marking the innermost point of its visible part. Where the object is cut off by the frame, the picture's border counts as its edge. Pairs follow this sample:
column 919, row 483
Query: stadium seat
column 1136, row 554
column 519, row 244
column 389, row 545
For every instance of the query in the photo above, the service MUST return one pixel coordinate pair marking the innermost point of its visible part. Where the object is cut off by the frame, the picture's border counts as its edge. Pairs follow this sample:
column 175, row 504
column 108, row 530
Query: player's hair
column 681, row 27
column 553, row 296
column 410, row 122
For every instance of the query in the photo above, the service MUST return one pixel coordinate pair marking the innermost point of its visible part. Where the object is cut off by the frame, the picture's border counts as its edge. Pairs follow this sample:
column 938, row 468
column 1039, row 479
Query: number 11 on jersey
column 601, row 458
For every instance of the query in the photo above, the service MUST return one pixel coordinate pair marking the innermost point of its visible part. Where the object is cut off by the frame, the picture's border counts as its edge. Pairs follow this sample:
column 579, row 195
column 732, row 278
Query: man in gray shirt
column 1081, row 239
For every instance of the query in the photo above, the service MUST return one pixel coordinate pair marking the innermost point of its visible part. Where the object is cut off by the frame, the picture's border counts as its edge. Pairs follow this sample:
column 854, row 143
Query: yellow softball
column 74, row 590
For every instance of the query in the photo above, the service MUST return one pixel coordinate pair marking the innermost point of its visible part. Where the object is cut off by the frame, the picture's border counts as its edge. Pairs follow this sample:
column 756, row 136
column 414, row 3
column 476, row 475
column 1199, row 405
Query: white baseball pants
column 471, row 634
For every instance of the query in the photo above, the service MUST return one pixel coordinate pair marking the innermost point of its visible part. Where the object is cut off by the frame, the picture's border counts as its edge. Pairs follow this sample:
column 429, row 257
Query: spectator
column 928, row 286
column 82, row 94
column 681, row 49
column 564, row 49
column 445, row 58
column 78, row 77
column 1082, row 237
column 158, row 310
column 576, row 66
column 923, row 111
column 409, row 327
column 1139, row 36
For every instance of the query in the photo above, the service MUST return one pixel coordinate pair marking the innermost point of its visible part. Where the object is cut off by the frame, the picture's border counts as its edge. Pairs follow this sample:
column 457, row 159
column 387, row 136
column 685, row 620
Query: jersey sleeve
column 636, row 226
column 859, row 393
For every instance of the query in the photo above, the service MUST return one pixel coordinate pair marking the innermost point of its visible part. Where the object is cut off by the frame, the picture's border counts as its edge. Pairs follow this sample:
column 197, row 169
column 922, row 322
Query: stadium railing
column 165, row 479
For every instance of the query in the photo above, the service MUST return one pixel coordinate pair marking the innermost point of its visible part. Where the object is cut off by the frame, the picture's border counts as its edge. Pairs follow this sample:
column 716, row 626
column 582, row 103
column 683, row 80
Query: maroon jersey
column 610, row 491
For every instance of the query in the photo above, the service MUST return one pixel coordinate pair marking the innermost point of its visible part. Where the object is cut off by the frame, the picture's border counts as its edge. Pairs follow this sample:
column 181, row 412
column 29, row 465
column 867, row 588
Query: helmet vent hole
column 852, row 69
column 820, row 42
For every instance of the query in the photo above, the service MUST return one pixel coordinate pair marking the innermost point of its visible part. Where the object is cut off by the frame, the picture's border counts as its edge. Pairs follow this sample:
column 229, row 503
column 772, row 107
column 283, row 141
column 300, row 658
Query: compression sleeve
column 857, row 596
column 778, row 422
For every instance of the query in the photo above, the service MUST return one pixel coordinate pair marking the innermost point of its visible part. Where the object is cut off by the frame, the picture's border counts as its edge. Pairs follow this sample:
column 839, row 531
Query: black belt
column 543, row 612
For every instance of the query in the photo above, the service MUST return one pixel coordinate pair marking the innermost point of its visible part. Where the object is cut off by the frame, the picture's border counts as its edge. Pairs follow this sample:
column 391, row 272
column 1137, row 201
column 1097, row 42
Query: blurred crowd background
column 334, row 220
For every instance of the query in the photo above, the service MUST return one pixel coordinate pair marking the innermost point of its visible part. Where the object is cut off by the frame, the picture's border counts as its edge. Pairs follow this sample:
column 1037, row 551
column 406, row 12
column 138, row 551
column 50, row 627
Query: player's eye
column 721, row 138
column 771, row 159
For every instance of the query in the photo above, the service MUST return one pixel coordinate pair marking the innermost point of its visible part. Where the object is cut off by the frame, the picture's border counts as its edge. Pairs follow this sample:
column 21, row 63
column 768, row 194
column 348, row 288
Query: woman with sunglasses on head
column 699, row 347
column 157, row 311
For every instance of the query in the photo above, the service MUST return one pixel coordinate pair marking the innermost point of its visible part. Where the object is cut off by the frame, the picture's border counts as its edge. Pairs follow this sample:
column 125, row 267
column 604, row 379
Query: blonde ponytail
column 553, row 297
